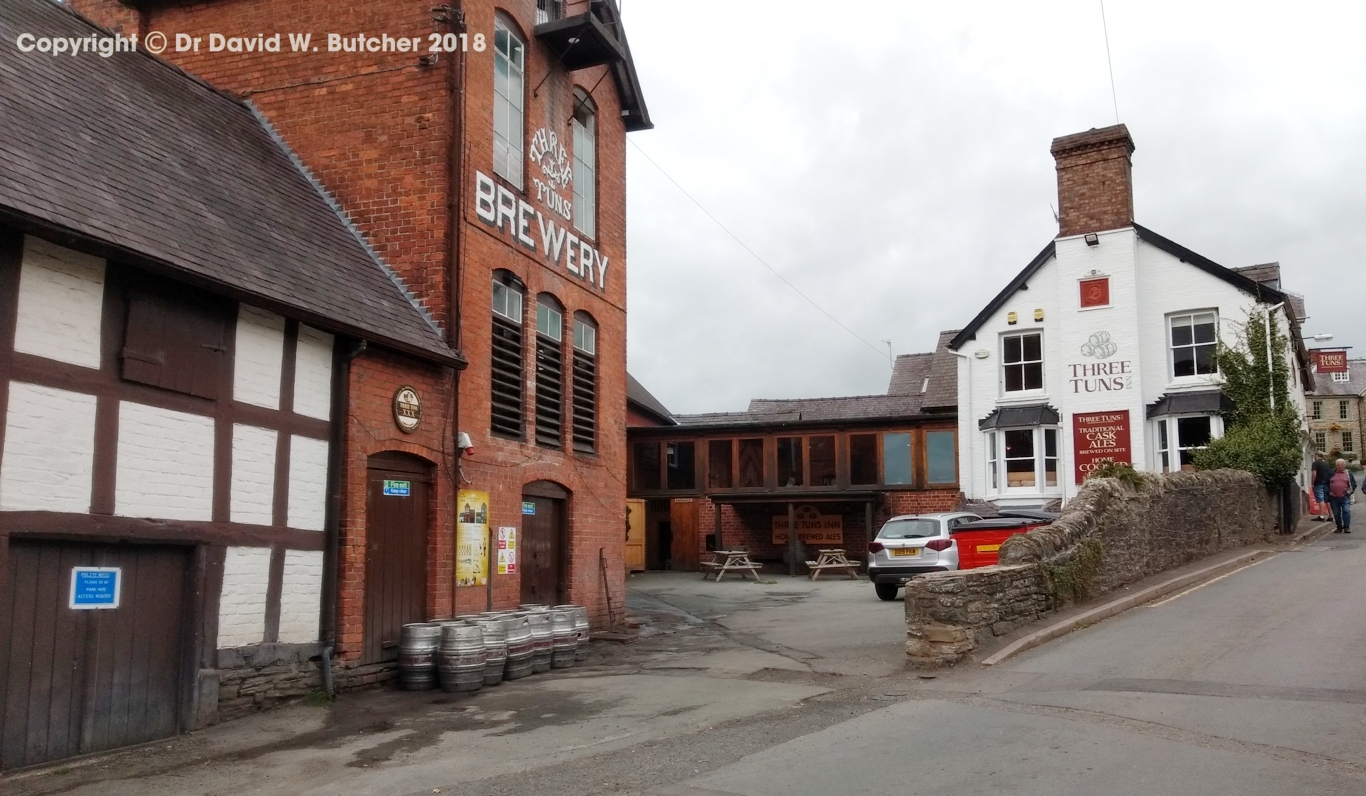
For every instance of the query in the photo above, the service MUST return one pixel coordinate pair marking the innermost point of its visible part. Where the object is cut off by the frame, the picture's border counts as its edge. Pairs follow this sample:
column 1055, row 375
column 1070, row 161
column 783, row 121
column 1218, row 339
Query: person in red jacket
column 1341, row 485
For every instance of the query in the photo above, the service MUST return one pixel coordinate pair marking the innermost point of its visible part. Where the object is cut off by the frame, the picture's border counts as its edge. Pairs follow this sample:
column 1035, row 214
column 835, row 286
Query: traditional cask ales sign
column 1100, row 437
column 1330, row 361
column 812, row 527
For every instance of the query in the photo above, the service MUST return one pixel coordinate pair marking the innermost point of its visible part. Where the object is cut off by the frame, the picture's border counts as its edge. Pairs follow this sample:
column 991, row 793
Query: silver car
column 911, row 545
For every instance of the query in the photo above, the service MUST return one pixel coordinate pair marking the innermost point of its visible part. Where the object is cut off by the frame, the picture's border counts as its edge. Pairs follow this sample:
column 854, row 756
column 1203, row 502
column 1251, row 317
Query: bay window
column 1178, row 438
column 1022, row 459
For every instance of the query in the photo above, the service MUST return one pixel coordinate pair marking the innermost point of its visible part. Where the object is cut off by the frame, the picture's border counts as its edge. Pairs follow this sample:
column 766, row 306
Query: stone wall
column 1111, row 534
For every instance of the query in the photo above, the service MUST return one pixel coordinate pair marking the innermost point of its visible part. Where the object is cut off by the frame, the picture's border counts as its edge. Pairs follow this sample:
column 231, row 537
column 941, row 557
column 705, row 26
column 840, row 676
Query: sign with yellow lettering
column 812, row 527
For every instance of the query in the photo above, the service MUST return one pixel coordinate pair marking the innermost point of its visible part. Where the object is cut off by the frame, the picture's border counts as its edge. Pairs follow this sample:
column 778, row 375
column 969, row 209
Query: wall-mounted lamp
column 1038, row 315
column 1012, row 318
column 1092, row 239
column 464, row 443
column 1320, row 338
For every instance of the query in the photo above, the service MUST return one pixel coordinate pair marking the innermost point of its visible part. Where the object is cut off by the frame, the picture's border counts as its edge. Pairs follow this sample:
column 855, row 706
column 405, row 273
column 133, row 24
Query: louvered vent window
column 506, row 376
column 549, row 373
column 585, row 385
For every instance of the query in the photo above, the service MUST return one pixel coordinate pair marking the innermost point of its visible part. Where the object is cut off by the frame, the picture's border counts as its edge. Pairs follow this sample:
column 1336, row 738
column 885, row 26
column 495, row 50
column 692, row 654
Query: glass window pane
column 1033, row 377
column 896, row 458
column 862, row 459
column 1181, row 331
column 719, row 464
column 645, row 466
column 1050, row 457
column 1204, row 359
column 1192, row 432
column 1014, row 378
column 1204, row 329
column 822, row 461
column 682, row 465
column 1033, row 347
column 1183, row 362
column 751, row 464
column 1020, row 444
column 941, row 453
column 1012, row 349
column 790, row 461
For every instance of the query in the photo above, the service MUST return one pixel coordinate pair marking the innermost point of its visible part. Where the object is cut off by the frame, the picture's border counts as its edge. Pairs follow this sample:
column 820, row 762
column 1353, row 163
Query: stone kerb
column 1111, row 534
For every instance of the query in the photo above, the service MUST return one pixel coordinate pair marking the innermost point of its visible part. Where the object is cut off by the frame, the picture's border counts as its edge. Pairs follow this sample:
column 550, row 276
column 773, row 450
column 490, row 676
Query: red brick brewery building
column 479, row 152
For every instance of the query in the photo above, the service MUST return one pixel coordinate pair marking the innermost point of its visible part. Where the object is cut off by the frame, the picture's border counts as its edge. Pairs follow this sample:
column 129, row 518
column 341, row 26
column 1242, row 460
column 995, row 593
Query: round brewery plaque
column 407, row 409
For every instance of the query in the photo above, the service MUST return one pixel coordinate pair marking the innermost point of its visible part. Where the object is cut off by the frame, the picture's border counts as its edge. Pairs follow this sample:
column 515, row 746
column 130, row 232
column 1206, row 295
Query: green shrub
column 1267, row 446
column 1121, row 471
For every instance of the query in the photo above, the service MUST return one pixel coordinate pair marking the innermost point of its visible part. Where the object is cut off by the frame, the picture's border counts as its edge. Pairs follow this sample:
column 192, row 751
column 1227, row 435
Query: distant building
column 841, row 466
column 1337, row 411
column 1101, row 348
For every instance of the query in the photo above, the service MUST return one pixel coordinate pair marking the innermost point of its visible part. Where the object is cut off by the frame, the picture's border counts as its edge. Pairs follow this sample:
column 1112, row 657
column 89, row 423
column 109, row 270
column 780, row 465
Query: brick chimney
column 1095, row 180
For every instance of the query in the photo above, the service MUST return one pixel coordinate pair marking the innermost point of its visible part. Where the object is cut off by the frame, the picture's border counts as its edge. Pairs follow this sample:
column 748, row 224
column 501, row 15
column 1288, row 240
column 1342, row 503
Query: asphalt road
column 1251, row 684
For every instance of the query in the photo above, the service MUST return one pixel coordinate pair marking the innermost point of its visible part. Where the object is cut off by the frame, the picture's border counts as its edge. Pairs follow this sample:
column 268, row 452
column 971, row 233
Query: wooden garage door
column 396, row 520
column 79, row 681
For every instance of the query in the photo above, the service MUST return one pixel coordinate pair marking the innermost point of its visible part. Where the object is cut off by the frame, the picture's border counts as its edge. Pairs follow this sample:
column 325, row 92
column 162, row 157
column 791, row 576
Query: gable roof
column 909, row 373
column 1241, row 281
column 642, row 399
column 133, row 159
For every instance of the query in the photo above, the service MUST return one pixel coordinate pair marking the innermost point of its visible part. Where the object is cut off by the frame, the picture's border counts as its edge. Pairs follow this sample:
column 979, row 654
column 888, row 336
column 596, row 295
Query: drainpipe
column 971, row 469
column 455, row 153
column 336, row 455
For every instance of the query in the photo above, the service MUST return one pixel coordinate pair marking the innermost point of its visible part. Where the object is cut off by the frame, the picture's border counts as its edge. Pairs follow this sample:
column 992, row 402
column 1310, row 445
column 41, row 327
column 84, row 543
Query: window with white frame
column 1348, row 444
column 1342, row 410
column 1022, row 458
column 509, row 89
column 1344, row 376
column 1316, row 410
column 1192, row 337
column 585, row 165
column 1022, row 361
column 1320, row 441
column 1178, row 438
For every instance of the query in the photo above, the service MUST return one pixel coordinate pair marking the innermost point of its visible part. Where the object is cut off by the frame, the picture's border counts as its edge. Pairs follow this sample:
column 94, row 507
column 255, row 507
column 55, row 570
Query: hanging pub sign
column 1329, row 361
column 813, row 527
column 1100, row 437
column 407, row 409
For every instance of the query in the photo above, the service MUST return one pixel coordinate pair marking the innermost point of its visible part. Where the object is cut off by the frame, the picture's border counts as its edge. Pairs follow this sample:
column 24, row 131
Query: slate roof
column 1324, row 384
column 910, row 372
column 146, row 164
column 641, row 397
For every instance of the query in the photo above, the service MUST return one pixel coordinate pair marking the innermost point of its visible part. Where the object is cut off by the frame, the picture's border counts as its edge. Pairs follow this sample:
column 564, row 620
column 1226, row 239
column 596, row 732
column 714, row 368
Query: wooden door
column 79, row 681
column 542, row 558
column 395, row 551
column 683, row 517
column 635, row 536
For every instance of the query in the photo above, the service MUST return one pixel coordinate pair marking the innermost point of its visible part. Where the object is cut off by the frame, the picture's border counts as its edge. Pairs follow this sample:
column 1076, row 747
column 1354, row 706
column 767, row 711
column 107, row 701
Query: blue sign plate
column 95, row 587
column 398, row 488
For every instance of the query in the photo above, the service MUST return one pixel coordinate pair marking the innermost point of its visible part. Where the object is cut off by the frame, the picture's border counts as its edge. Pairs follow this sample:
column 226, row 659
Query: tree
column 1260, row 436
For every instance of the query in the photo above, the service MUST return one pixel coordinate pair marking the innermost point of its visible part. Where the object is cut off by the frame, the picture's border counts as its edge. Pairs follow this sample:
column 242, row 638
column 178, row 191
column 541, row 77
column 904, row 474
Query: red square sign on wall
column 1095, row 292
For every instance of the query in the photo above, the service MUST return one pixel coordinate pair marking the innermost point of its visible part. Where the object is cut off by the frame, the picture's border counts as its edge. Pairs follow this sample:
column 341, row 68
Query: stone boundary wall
column 1111, row 534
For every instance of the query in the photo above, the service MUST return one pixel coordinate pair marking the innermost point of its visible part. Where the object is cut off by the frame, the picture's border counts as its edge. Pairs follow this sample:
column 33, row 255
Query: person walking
column 1341, row 485
column 1322, row 472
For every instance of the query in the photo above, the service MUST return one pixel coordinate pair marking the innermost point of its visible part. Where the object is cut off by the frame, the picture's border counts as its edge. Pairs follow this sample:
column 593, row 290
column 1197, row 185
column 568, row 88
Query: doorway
column 397, row 515
column 79, row 681
column 544, row 543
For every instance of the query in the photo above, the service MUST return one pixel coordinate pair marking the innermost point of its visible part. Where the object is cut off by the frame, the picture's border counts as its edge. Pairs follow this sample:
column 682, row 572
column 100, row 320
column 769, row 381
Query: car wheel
column 886, row 591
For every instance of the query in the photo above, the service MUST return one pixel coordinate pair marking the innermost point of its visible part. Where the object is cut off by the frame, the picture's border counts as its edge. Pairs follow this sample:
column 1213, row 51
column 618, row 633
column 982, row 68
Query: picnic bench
column 724, row 561
column 832, row 559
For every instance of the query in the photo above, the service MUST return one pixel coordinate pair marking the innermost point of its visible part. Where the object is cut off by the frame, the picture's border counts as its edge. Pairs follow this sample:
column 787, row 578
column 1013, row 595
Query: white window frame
column 1343, row 414
column 507, row 302
column 549, row 321
column 1043, row 373
column 1348, row 443
column 1316, row 410
column 1321, row 441
column 585, row 337
column 998, row 474
column 1172, row 346
column 509, row 102
column 1165, row 432
column 1343, row 376
column 585, row 165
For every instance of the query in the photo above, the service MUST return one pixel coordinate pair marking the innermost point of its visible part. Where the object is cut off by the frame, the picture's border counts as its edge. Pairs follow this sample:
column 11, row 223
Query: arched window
column 585, row 395
column 549, row 371
column 506, row 375
column 585, row 164
column 509, row 94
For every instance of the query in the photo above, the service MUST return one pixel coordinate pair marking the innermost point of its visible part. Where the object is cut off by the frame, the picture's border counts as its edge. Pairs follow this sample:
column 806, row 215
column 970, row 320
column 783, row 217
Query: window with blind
column 585, row 397
column 549, row 372
column 506, row 371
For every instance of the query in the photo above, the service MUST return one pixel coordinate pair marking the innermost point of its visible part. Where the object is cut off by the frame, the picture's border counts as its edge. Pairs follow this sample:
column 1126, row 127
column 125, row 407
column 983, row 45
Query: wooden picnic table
column 832, row 559
column 724, row 561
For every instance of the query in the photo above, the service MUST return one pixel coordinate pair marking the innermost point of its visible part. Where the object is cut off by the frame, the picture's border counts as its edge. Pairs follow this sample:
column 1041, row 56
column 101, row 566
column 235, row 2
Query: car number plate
column 905, row 551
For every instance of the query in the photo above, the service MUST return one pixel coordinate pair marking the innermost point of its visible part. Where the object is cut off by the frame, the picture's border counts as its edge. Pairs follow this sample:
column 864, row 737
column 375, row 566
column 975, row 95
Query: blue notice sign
column 528, row 507
column 95, row 587
column 398, row 488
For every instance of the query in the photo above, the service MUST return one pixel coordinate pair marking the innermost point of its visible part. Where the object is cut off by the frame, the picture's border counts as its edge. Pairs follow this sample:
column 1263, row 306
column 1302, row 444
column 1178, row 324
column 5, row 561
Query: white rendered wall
column 61, row 299
column 49, row 450
column 165, row 464
column 313, row 374
column 242, row 603
column 253, row 474
column 260, row 347
column 301, row 596
column 307, row 483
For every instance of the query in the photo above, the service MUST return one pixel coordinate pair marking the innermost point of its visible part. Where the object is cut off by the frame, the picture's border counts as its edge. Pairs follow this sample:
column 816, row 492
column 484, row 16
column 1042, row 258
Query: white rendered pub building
column 1101, row 349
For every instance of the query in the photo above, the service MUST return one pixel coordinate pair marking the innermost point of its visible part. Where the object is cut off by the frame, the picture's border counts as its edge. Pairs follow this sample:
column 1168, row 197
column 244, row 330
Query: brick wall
column 1095, row 181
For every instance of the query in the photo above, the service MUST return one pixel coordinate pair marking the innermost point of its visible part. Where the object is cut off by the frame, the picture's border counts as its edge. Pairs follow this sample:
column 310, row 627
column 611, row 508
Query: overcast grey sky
column 891, row 160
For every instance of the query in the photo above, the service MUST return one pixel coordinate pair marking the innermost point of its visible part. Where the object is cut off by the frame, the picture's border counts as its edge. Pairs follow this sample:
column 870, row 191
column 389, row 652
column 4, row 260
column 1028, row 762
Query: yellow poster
column 472, row 538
